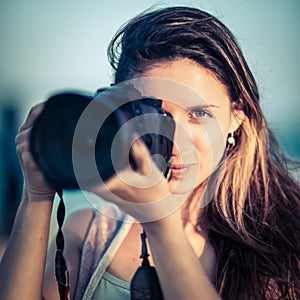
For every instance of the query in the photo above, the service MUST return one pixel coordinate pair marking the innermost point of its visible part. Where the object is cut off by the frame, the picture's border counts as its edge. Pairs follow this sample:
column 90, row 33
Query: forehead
column 185, row 82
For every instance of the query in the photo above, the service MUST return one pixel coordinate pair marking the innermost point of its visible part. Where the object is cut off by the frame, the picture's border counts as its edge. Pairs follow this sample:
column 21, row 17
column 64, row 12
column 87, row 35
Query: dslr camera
column 78, row 139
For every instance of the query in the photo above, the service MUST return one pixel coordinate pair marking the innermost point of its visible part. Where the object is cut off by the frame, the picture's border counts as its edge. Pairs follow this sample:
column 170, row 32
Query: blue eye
column 199, row 113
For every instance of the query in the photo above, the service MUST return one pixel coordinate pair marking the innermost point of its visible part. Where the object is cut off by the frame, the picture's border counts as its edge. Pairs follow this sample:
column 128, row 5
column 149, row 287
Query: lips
column 180, row 170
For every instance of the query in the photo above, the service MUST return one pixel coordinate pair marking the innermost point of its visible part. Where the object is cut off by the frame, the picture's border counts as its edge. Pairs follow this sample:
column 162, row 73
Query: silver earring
column 231, row 140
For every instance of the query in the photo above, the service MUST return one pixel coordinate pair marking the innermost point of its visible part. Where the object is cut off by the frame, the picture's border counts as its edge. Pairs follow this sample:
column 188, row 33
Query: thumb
column 141, row 157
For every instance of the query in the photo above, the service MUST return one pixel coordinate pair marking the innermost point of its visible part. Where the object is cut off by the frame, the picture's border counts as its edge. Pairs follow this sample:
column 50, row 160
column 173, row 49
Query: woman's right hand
column 35, row 186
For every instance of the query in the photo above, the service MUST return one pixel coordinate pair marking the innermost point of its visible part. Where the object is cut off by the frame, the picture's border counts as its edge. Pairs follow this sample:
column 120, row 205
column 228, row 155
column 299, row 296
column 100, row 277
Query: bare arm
column 180, row 271
column 22, row 266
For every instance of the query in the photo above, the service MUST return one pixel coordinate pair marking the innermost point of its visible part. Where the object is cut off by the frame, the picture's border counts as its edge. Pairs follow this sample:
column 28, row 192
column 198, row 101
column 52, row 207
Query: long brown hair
column 253, row 218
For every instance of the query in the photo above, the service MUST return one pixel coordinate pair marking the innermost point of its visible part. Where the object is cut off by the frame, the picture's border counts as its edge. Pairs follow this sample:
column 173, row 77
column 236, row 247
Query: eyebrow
column 203, row 106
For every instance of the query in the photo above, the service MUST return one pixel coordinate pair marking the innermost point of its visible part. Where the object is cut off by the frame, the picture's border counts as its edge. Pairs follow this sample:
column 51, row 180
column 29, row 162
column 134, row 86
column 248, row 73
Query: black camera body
column 78, row 138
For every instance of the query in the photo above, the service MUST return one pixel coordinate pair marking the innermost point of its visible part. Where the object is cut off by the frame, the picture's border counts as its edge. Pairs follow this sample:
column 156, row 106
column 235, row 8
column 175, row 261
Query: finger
column 22, row 142
column 141, row 156
column 32, row 115
column 23, row 147
column 27, row 160
column 22, row 136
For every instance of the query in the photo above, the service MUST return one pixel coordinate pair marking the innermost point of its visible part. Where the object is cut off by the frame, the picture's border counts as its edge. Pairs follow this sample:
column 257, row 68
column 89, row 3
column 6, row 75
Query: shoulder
column 83, row 222
column 74, row 229
column 77, row 226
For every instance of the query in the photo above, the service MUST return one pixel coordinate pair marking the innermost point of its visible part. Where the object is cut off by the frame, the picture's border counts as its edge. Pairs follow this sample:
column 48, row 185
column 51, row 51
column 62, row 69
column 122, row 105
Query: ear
column 237, row 118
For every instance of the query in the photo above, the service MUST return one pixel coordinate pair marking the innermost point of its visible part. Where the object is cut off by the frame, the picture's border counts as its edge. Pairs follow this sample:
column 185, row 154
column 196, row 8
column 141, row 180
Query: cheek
column 204, row 145
column 210, row 143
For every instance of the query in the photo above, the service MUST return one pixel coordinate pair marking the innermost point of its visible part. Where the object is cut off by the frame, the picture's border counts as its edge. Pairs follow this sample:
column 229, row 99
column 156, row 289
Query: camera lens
column 54, row 147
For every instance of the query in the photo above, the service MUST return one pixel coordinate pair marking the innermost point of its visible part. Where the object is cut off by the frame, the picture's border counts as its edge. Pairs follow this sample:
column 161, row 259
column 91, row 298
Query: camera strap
column 145, row 283
column 61, row 270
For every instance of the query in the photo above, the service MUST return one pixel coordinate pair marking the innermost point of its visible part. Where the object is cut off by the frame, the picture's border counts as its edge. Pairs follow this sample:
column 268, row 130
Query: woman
column 237, row 238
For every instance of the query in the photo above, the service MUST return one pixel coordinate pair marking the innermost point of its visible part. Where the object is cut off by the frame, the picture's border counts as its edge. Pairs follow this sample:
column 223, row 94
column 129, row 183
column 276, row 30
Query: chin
column 181, row 186
column 187, row 184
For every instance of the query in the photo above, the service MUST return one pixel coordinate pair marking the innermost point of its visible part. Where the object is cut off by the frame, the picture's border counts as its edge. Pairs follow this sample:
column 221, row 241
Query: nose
column 181, row 140
column 184, row 150
column 180, row 135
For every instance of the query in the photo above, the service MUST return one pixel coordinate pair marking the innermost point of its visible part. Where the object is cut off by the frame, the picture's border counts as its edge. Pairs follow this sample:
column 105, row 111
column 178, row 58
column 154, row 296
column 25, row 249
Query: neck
column 191, row 209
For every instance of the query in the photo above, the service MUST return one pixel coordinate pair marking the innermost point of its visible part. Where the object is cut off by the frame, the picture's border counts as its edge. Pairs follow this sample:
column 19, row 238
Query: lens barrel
column 61, row 135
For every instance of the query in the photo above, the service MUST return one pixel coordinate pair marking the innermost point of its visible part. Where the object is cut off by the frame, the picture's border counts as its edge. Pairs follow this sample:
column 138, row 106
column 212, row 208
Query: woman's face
column 202, row 126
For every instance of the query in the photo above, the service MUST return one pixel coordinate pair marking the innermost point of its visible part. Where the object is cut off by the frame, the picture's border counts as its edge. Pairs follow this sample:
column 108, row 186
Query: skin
column 208, row 127
column 169, row 240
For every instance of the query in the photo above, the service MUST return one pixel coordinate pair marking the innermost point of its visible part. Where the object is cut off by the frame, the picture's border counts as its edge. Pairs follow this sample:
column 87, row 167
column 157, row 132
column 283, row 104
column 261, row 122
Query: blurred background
column 49, row 46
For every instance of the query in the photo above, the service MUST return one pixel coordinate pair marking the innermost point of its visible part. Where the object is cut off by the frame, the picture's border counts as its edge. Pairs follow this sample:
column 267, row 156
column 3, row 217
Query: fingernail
column 138, row 141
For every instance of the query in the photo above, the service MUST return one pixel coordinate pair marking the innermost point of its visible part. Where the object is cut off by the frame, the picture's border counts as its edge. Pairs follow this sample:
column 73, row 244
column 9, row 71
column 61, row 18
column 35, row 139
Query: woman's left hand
column 143, row 192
